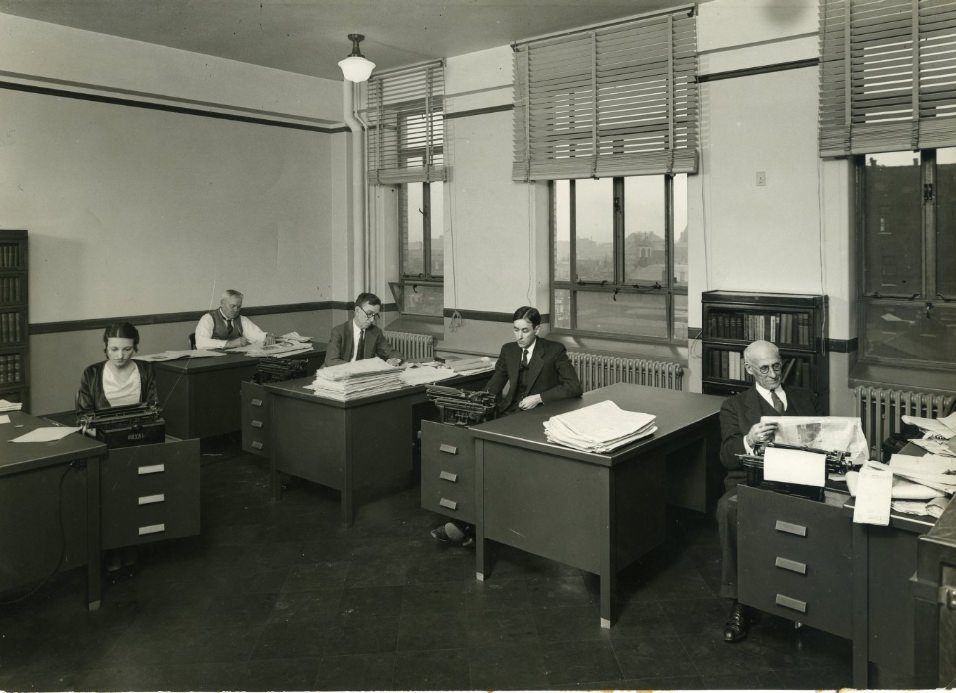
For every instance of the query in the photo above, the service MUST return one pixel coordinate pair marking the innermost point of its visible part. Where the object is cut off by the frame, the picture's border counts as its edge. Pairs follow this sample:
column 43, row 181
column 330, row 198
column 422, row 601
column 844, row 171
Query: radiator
column 414, row 347
column 880, row 410
column 598, row 370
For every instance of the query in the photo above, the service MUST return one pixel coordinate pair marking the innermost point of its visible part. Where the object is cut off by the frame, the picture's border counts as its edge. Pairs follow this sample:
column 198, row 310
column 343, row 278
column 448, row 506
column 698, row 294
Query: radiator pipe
column 358, row 235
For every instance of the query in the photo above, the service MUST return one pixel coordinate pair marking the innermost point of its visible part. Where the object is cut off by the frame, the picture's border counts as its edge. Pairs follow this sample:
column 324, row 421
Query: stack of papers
column 280, row 349
column 944, row 428
column 294, row 337
column 600, row 427
column 470, row 365
column 10, row 406
column 935, row 471
column 423, row 375
column 363, row 378
column 172, row 355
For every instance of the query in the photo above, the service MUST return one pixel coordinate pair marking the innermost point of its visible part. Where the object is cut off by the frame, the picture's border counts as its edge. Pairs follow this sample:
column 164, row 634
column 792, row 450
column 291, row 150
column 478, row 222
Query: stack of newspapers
column 10, row 406
column 601, row 427
column 363, row 378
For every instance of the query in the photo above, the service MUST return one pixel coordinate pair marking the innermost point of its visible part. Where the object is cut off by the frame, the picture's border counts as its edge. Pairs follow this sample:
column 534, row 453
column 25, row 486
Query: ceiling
column 310, row 36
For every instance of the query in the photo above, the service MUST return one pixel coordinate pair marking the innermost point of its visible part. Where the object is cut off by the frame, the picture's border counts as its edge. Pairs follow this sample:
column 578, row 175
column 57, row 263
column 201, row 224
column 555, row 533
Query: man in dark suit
column 740, row 430
column 360, row 338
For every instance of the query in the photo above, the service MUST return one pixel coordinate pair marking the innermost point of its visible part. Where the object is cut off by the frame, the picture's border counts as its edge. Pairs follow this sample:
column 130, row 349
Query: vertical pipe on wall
column 359, row 244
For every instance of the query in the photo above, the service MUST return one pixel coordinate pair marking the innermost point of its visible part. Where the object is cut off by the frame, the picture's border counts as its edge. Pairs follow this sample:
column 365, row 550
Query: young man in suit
column 360, row 338
column 740, row 430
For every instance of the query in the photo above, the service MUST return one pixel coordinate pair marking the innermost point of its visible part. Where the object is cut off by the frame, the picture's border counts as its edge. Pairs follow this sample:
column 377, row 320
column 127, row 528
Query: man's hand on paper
column 761, row 433
column 394, row 362
column 269, row 340
column 530, row 402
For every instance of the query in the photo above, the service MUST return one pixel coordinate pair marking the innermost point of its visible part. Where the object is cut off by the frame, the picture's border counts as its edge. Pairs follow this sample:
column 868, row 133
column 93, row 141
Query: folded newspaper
column 600, row 427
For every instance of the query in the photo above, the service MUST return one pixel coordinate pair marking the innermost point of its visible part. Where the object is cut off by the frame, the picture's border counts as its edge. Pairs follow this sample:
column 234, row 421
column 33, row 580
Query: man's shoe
column 738, row 624
column 439, row 535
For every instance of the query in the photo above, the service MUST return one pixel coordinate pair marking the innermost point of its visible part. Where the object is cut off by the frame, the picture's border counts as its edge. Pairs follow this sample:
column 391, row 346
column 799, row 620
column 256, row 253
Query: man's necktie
column 777, row 402
column 229, row 330
column 360, row 351
column 524, row 358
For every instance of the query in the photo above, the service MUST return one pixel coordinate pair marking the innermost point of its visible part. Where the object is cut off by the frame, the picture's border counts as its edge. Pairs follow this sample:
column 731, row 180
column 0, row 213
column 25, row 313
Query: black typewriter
column 837, row 462
column 120, row 427
column 461, row 407
column 274, row 370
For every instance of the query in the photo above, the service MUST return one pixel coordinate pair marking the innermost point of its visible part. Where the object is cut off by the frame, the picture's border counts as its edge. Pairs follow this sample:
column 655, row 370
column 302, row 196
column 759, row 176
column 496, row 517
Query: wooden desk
column 362, row 446
column 45, row 487
column 200, row 397
column 596, row 512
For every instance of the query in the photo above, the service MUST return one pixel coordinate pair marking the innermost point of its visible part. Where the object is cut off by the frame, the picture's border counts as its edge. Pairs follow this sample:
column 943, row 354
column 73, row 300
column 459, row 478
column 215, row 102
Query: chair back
column 192, row 340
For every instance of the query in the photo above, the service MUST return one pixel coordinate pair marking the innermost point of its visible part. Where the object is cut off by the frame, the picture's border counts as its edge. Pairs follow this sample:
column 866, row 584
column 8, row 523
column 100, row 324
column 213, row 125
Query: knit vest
column 220, row 328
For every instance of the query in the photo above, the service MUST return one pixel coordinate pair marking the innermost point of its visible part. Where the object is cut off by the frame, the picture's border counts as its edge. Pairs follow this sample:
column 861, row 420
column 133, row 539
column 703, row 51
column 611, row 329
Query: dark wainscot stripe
column 486, row 315
column 843, row 346
column 761, row 70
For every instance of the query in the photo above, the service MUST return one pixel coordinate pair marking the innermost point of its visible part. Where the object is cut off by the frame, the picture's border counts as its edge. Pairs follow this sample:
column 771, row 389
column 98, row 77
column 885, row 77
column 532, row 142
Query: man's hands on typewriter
column 761, row 433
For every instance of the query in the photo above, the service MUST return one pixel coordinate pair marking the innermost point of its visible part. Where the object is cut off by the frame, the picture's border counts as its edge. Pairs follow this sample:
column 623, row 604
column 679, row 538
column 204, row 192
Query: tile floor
column 282, row 597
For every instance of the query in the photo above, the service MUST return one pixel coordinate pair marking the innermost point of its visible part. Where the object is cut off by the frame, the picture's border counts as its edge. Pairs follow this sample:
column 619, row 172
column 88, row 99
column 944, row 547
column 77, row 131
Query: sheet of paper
column 172, row 355
column 45, row 434
column 4, row 419
column 944, row 428
column 795, row 466
column 873, row 496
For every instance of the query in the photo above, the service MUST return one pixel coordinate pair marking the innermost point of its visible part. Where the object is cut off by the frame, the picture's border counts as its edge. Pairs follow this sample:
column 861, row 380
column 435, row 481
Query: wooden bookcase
column 14, row 318
column 794, row 322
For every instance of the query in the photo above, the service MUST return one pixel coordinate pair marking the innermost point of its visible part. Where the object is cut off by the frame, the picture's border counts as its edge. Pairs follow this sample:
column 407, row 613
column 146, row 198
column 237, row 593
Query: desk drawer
column 255, row 418
column 448, row 471
column 794, row 559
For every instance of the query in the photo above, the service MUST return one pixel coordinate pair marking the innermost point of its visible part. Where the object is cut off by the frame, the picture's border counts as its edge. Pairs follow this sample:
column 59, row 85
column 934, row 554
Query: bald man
column 740, row 430
column 224, row 328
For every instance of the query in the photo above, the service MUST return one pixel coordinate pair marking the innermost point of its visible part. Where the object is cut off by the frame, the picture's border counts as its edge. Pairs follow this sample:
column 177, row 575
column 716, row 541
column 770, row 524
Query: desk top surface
column 214, row 363
column 20, row 457
column 676, row 413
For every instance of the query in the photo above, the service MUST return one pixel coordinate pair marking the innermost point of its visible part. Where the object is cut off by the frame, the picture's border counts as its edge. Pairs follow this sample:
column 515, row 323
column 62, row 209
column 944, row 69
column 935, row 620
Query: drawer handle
column 791, row 603
column 450, row 504
column 450, row 449
column 790, row 528
column 152, row 529
column 158, row 498
column 448, row 476
column 152, row 469
column 792, row 566
column 256, row 424
column 257, row 444
column 256, row 402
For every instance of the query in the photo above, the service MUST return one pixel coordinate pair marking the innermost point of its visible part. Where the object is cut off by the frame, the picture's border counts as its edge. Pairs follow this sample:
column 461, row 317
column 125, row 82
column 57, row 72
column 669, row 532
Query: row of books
column 9, row 256
column 10, row 371
column 781, row 328
column 10, row 328
column 10, row 290
column 729, row 365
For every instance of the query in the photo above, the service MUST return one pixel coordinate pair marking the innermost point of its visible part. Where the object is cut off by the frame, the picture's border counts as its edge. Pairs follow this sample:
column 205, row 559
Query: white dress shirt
column 765, row 393
column 356, row 335
column 205, row 326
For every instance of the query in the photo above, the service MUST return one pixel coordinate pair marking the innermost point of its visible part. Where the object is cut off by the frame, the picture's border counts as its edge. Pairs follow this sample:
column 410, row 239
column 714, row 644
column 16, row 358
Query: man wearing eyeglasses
column 740, row 431
column 360, row 338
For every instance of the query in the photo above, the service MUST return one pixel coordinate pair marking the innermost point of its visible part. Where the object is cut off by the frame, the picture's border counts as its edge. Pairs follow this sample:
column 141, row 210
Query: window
column 421, row 289
column 619, row 257
column 908, row 292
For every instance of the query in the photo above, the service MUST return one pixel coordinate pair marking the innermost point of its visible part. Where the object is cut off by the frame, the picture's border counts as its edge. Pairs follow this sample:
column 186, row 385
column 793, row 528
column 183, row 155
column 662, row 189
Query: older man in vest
column 224, row 328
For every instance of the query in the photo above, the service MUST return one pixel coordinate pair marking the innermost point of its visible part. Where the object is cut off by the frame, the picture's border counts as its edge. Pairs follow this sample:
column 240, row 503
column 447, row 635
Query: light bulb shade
column 355, row 68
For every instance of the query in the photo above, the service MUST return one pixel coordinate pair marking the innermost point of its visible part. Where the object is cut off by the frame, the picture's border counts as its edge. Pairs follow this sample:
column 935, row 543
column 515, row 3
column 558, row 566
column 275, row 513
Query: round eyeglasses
column 371, row 316
column 764, row 370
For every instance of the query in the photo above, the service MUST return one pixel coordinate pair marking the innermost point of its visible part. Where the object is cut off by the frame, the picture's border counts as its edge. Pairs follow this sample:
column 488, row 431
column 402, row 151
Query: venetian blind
column 887, row 75
column 406, row 125
column 612, row 101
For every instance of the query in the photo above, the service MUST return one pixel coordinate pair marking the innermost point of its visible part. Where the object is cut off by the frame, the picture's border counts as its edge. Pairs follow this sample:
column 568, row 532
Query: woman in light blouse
column 120, row 380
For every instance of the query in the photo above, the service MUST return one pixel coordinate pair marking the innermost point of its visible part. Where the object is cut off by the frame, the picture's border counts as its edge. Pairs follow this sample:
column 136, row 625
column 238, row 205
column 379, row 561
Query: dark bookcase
column 14, row 319
column 794, row 322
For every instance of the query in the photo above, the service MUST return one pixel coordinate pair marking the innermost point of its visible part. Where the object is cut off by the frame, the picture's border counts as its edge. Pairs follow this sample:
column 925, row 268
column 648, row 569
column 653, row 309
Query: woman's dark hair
column 123, row 330
column 527, row 313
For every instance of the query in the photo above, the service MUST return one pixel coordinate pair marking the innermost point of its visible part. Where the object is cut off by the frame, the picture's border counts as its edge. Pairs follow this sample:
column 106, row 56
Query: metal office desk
column 201, row 398
column 40, row 485
column 362, row 446
column 596, row 512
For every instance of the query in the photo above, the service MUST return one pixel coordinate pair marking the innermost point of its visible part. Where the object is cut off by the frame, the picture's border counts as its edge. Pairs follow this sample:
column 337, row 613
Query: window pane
column 594, row 230
column 946, row 222
column 905, row 331
column 680, row 316
column 562, row 230
column 561, row 318
column 437, row 219
column 631, row 314
column 892, row 220
column 412, row 260
column 680, row 231
column 645, row 256
column 423, row 300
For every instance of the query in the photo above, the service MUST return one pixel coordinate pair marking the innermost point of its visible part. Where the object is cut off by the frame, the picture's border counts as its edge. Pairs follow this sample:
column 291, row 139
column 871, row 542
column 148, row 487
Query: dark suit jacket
column 340, row 346
column 91, row 396
column 743, row 410
column 550, row 373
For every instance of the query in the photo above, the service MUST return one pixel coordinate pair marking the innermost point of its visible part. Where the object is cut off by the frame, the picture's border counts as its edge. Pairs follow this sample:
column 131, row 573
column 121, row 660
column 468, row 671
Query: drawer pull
column 792, row 566
column 450, row 449
column 256, row 424
column 791, row 603
column 790, row 528
column 257, row 444
column 152, row 469
column 147, row 500
column 450, row 504
column 152, row 529
column 256, row 402
column 448, row 476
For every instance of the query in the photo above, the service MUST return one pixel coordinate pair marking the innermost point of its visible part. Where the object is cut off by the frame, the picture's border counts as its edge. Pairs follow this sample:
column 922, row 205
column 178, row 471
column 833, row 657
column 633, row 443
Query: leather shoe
column 738, row 623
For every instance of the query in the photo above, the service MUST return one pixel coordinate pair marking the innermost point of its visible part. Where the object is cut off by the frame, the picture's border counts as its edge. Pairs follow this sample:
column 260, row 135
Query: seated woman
column 536, row 371
column 118, row 381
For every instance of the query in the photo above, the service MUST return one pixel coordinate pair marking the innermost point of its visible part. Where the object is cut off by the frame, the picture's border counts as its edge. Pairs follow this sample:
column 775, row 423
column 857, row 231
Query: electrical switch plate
column 761, row 178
